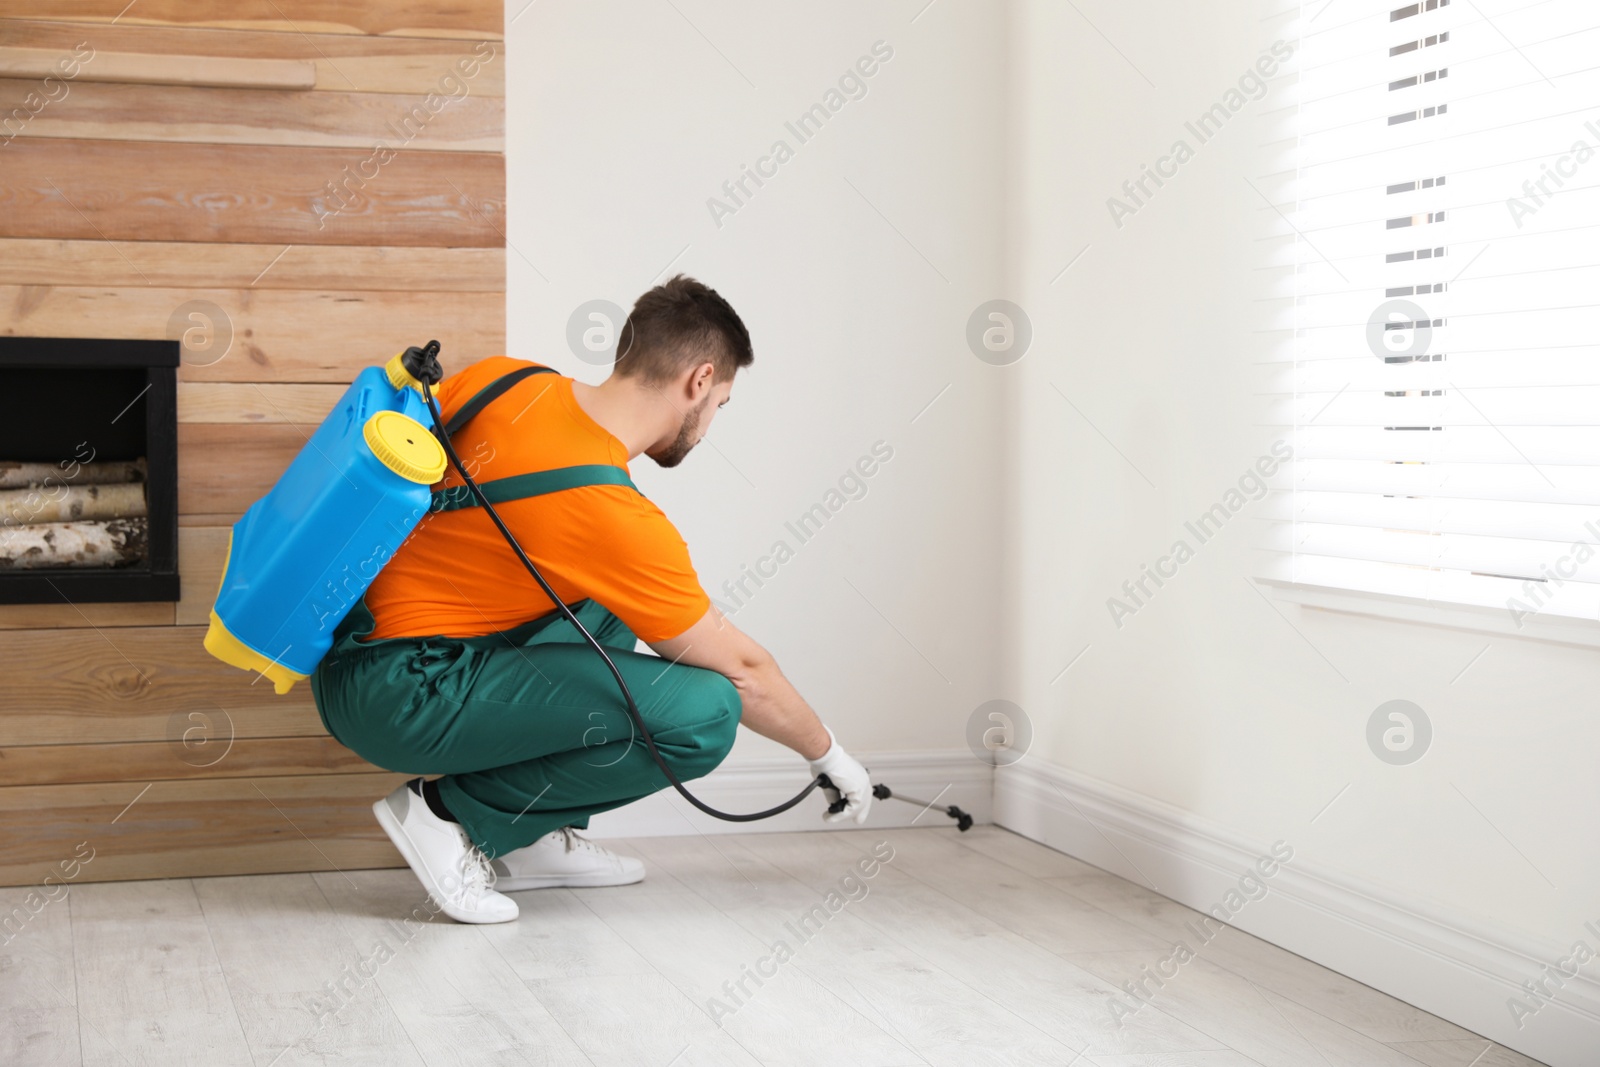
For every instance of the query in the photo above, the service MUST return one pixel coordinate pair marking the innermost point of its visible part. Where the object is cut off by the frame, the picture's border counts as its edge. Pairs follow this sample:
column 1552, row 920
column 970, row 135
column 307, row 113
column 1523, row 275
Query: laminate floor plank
column 298, row 979
column 37, row 984
column 697, row 948
column 1239, row 1011
column 151, row 990
column 557, row 936
column 825, row 933
column 1038, row 985
column 457, row 1000
column 1344, row 1000
column 1472, row 1052
column 1326, row 992
column 645, row 1019
column 1018, row 901
column 1177, row 1059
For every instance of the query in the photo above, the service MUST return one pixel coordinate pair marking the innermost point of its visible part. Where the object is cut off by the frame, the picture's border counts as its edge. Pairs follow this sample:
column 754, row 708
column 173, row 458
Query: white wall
column 993, row 539
column 1207, row 700
column 623, row 120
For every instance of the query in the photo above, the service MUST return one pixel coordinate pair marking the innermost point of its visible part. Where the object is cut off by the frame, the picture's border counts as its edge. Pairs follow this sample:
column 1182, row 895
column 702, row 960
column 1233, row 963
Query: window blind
column 1443, row 378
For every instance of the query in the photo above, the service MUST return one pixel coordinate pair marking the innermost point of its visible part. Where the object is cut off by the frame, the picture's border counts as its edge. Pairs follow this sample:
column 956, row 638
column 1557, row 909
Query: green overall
column 527, row 727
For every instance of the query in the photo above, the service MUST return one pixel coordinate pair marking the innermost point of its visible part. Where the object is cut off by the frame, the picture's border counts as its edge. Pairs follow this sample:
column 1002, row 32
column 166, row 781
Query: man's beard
column 673, row 454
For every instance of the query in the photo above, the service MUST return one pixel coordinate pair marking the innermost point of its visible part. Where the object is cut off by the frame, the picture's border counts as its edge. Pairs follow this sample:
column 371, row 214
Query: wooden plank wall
column 166, row 190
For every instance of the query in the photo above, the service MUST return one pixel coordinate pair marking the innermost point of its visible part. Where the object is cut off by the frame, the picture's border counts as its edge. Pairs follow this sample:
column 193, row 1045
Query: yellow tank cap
column 234, row 652
column 399, row 377
column 405, row 446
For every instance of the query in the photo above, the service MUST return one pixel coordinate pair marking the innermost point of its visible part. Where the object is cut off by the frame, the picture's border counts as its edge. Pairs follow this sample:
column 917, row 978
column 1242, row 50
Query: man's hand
column 849, row 778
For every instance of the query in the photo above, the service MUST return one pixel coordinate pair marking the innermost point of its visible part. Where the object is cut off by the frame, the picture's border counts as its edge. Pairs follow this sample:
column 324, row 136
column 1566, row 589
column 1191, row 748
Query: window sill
column 1563, row 629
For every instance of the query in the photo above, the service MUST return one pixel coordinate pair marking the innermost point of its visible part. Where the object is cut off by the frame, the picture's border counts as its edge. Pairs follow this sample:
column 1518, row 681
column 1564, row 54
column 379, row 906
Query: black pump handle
column 423, row 363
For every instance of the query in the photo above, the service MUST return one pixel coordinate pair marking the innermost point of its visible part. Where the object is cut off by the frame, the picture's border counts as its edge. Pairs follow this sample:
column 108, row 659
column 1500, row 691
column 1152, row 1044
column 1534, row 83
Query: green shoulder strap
column 535, row 483
column 521, row 486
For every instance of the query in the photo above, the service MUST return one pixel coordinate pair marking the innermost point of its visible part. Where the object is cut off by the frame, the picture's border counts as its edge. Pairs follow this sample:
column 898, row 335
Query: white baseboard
column 753, row 784
column 1459, row 967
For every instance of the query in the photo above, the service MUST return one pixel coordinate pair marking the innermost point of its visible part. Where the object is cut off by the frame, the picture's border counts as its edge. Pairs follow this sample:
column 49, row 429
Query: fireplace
column 88, row 470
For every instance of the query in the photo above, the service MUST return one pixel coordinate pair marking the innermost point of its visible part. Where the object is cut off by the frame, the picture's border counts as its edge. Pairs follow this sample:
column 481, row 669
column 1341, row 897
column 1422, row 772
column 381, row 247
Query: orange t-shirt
column 456, row 576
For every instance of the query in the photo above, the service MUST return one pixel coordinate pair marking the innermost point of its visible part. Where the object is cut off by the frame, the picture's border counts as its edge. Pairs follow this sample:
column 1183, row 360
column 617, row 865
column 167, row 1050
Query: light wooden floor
column 976, row 948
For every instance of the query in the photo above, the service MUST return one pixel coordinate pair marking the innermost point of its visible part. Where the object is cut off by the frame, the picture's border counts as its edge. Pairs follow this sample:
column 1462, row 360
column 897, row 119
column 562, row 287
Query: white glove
column 849, row 779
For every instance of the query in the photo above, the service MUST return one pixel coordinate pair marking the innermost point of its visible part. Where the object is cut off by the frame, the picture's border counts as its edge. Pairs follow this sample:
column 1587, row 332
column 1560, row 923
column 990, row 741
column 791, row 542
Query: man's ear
column 700, row 381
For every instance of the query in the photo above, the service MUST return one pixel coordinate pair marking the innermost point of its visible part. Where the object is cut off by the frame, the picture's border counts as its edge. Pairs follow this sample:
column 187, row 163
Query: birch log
column 73, row 544
column 15, row 475
column 65, row 503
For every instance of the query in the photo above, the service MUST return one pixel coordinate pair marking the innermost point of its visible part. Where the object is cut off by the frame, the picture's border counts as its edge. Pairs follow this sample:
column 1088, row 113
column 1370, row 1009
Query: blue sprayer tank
column 304, row 554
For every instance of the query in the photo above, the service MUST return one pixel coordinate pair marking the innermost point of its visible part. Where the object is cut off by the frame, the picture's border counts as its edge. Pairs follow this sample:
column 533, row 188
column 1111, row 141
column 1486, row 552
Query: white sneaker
column 563, row 858
column 455, row 874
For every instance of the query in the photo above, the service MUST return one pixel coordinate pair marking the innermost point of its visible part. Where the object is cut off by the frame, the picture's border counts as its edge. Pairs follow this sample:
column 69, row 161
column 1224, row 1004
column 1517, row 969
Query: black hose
column 627, row 695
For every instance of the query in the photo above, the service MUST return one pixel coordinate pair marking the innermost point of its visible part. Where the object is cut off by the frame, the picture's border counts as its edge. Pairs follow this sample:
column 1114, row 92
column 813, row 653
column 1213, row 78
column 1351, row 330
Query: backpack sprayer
column 363, row 481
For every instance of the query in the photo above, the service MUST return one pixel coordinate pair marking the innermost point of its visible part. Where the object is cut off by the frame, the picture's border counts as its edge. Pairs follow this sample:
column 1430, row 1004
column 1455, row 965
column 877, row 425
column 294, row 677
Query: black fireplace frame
column 157, row 578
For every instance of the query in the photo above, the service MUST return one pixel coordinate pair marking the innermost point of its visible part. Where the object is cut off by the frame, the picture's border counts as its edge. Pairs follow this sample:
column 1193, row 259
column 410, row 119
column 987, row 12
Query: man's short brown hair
column 677, row 325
